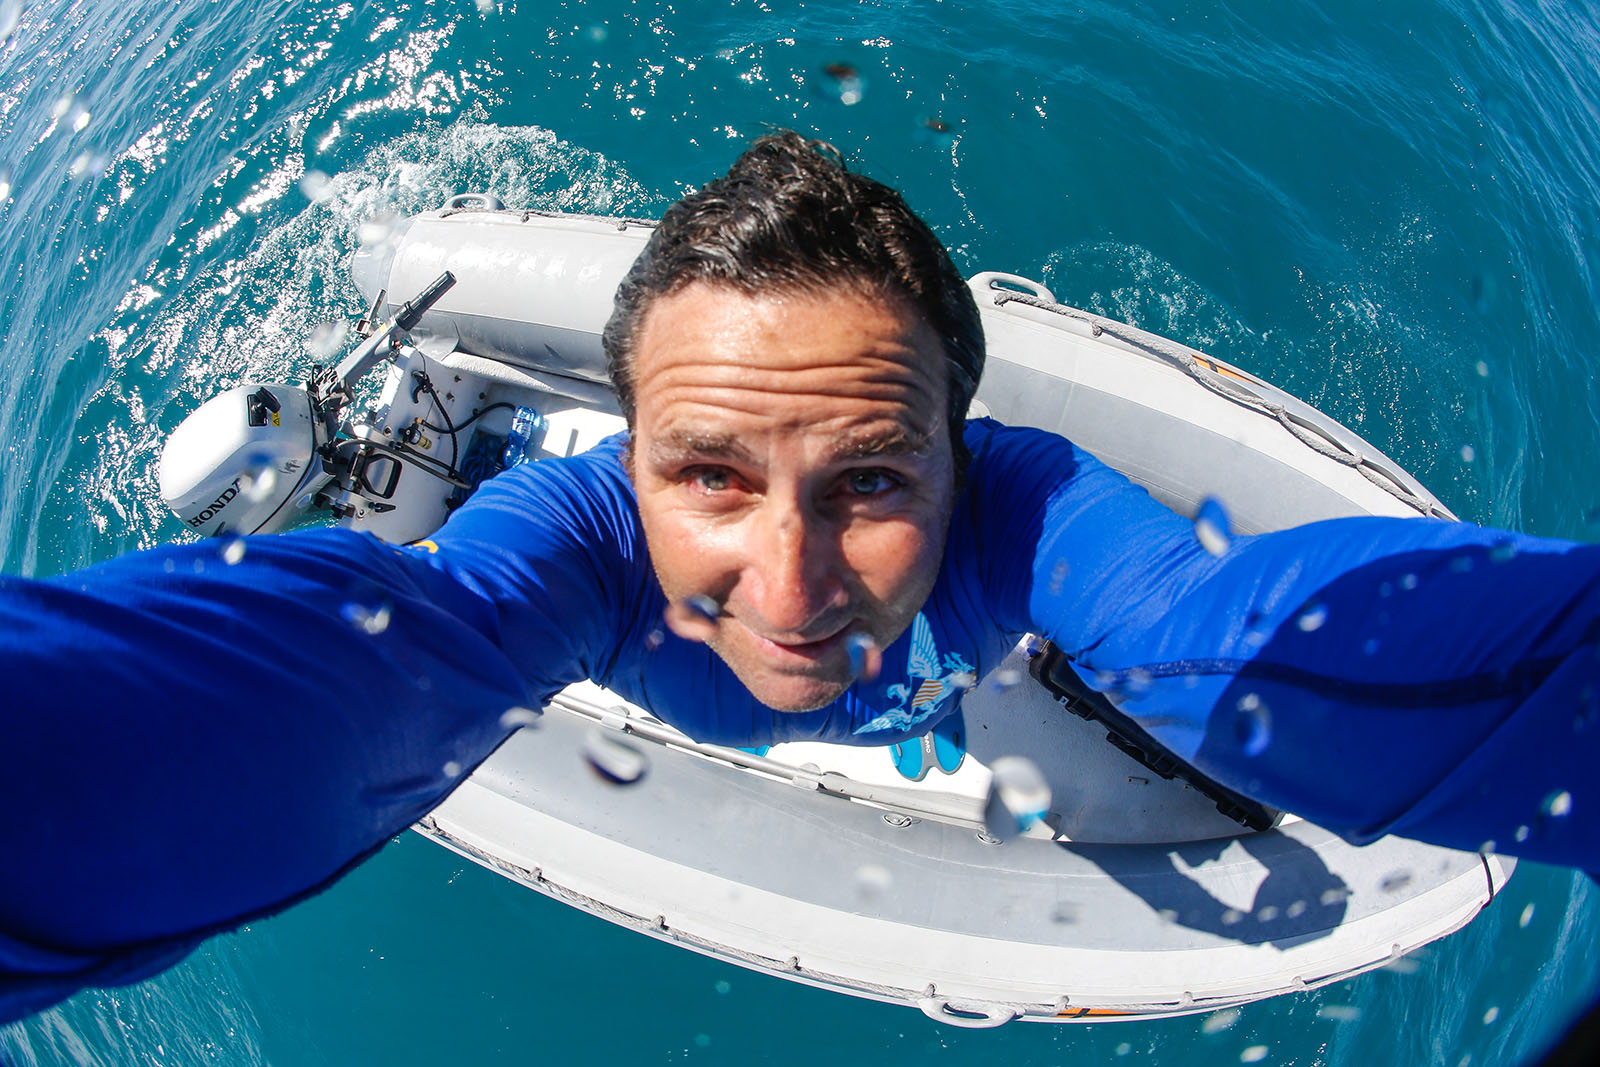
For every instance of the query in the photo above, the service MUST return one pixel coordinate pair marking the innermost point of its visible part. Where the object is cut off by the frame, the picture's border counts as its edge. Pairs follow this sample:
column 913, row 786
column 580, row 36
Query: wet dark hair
column 788, row 217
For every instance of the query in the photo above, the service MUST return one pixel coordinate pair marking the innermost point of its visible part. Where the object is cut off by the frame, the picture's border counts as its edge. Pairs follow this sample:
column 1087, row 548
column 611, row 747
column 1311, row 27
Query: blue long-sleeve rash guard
column 194, row 737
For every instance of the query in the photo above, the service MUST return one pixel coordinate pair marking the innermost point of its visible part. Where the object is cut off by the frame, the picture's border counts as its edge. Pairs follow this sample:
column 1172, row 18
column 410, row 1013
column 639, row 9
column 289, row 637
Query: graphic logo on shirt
column 930, row 682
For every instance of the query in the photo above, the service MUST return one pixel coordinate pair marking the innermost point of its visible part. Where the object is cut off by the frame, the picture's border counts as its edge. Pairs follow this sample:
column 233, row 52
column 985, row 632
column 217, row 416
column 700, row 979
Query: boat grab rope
column 1196, row 366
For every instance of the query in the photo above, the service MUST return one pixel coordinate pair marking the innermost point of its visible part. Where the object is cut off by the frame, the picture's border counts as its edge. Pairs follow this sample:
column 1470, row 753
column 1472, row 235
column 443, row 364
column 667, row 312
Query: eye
column 870, row 481
column 710, row 479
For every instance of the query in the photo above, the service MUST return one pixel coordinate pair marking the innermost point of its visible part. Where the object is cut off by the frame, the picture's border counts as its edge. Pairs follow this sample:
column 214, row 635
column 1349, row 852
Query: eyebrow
column 677, row 446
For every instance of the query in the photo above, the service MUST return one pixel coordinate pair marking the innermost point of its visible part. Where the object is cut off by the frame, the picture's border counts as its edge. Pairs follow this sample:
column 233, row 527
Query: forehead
column 711, row 360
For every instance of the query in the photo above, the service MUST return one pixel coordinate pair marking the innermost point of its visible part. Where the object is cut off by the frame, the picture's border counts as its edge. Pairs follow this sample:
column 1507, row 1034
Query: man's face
column 794, row 464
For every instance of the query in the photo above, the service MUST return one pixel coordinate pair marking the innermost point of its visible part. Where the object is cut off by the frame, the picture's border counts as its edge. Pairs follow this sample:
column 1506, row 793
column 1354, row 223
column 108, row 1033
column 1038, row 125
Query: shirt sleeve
column 1376, row 675
column 201, row 734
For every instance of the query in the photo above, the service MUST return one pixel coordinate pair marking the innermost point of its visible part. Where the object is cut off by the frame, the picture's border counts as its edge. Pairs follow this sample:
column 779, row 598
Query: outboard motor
column 258, row 457
column 246, row 462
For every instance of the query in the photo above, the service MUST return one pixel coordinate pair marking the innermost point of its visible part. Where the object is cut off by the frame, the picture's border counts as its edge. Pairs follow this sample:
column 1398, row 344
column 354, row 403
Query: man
column 800, row 499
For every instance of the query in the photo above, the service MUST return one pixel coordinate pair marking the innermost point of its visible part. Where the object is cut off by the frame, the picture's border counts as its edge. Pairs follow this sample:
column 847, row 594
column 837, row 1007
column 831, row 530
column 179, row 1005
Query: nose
column 792, row 577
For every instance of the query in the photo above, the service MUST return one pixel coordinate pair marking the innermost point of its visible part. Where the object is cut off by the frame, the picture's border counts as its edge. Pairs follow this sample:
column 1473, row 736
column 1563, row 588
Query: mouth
column 788, row 650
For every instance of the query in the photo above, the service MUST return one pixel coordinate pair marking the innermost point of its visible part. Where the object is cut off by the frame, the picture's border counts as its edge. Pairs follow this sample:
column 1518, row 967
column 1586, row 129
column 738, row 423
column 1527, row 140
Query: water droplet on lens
column 842, row 82
column 10, row 15
column 1065, row 913
column 327, row 338
column 1402, row 965
column 1408, row 582
column 1253, row 1054
column 597, row 33
column 316, row 186
column 962, row 680
column 1266, row 913
column 1501, row 551
column 723, row 986
column 1491, row 1015
column 1232, row 917
column 1461, row 564
column 1297, row 909
column 369, row 620
column 872, row 881
column 1218, row 1021
column 1167, row 915
column 258, row 478
column 866, row 658
column 1488, row 847
column 378, row 229
column 1557, row 804
column 1526, row 917
column 1339, row 1013
column 1124, row 1048
column 1468, row 453
column 232, row 550
column 62, row 105
column 1331, row 897
column 1522, row 833
column 654, row 640
column 452, row 769
column 1312, row 617
column 694, row 618
column 1005, row 680
column 702, row 1040
column 1252, row 724
column 1482, row 369
column 1370, row 646
column 5, row 183
column 613, row 759
column 517, row 718
column 486, row 7
column 1019, row 796
column 936, row 132
column 1212, row 527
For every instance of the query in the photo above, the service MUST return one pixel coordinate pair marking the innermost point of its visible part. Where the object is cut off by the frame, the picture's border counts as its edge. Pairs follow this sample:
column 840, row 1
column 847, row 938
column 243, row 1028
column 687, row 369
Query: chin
column 793, row 695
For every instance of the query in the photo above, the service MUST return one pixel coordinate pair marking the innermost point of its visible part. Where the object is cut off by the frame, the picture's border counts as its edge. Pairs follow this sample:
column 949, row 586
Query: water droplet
column 1402, row 965
column 1266, row 913
column 1468, row 453
column 1488, row 847
column 872, row 881
column 1058, row 576
column 694, row 618
column 1167, row 915
column 169, row 565
column 613, row 759
column 5, row 183
column 1005, row 680
column 10, row 15
column 1019, row 796
column 486, row 7
column 316, row 186
column 723, row 987
column 232, row 550
column 597, row 33
column 88, row 164
column 378, row 229
column 517, row 718
column 1395, row 881
column 1312, row 616
column 1557, row 804
column 78, row 119
column 1232, row 917
column 866, row 658
column 1526, row 917
column 1461, row 564
column 62, row 105
column 1296, row 909
column 1409, row 582
column 369, row 620
column 702, row 1040
column 1252, row 724
column 1502, row 551
column 1218, row 1021
column 1212, row 527
column 1482, row 368
column 1124, row 1048
column 452, row 769
column 1339, row 1013
column 935, row 131
column 1253, row 1054
column 962, row 680
column 654, row 639
column 327, row 338
column 1491, row 1015
column 1371, row 645
column 842, row 82
column 1332, row 897
column 1522, row 833
column 1065, row 913
column 258, row 478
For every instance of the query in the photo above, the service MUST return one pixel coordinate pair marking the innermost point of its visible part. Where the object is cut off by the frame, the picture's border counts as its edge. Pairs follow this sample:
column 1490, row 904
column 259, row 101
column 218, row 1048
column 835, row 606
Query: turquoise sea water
column 1388, row 210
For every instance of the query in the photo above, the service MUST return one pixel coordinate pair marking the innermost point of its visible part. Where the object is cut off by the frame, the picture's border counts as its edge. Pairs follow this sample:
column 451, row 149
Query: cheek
column 894, row 560
column 691, row 554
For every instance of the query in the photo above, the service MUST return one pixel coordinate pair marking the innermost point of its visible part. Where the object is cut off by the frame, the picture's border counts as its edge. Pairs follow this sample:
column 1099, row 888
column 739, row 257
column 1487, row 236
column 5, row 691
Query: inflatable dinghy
column 1140, row 890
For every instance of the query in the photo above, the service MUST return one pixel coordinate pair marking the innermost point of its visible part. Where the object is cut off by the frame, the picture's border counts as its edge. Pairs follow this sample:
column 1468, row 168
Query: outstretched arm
column 200, row 734
column 1435, row 680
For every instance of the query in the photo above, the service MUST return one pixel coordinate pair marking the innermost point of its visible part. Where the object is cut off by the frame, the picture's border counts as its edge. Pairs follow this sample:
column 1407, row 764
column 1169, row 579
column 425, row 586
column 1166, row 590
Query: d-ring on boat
column 1143, row 891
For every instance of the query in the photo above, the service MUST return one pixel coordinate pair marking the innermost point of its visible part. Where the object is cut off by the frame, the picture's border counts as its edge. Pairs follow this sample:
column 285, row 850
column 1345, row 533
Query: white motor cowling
column 245, row 461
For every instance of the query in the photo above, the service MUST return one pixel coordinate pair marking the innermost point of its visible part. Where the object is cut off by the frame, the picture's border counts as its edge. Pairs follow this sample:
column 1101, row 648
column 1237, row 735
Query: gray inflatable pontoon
column 1135, row 897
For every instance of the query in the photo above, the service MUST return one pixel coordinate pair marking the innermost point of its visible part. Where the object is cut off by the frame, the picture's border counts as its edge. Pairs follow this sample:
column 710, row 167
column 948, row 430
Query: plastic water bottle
column 527, row 431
